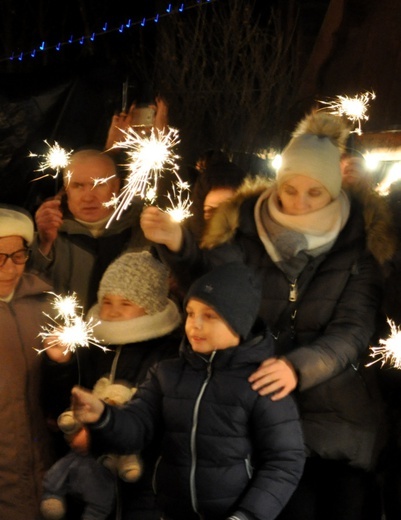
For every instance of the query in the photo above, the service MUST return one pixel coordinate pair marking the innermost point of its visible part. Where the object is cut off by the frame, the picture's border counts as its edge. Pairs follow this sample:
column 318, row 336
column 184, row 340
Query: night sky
column 70, row 94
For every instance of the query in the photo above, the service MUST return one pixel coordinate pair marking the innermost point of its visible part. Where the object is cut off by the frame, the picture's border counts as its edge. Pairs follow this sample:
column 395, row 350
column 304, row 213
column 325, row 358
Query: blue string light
column 105, row 30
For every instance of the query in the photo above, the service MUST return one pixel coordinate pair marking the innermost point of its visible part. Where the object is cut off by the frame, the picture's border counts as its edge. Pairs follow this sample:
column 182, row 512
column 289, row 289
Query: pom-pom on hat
column 16, row 221
column 234, row 293
column 138, row 277
column 315, row 151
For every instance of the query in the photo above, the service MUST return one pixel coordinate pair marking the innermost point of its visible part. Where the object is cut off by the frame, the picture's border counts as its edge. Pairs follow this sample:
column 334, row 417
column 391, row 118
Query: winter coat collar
column 381, row 238
column 71, row 226
column 138, row 329
column 252, row 351
column 31, row 285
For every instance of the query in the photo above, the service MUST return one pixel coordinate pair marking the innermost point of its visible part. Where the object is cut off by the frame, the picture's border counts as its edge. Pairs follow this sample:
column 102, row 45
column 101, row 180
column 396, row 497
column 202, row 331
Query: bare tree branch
column 227, row 73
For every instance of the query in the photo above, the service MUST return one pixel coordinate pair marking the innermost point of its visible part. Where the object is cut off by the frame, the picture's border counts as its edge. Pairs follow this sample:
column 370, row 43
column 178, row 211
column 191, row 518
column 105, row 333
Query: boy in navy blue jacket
column 227, row 452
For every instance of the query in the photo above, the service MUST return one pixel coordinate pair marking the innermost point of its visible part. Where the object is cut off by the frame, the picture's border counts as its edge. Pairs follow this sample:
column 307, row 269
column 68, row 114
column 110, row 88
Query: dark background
column 236, row 74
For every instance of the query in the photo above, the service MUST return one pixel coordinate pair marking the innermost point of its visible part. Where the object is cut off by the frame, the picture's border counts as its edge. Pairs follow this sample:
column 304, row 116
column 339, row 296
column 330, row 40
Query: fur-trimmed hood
column 381, row 238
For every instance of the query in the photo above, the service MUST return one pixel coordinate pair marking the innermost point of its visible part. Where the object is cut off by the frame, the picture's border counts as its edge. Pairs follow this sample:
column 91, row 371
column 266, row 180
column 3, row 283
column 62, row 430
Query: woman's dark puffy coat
column 224, row 447
column 325, row 332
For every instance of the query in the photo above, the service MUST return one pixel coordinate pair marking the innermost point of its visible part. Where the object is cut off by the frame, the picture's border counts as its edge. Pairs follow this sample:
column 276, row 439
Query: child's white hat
column 138, row 277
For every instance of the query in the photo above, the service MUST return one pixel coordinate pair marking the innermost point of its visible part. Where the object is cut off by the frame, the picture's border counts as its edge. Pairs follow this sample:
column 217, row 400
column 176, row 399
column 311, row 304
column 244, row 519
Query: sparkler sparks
column 389, row 350
column 355, row 109
column 148, row 156
column 56, row 159
column 68, row 328
column 179, row 211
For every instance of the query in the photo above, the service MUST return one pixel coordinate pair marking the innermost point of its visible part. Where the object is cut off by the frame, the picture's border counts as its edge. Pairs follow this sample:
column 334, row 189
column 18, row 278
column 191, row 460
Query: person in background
column 206, row 159
column 210, row 157
column 389, row 369
column 227, row 452
column 77, row 238
column 321, row 257
column 139, row 325
column 25, row 441
column 156, row 118
column 217, row 183
column 354, row 171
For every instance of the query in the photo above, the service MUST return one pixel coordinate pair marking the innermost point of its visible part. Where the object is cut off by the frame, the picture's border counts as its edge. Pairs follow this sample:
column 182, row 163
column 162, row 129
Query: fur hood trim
column 381, row 236
column 379, row 227
column 224, row 223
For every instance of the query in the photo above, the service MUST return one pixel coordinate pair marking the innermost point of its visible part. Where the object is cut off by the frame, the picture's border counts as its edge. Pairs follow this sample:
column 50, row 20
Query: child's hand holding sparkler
column 86, row 406
column 68, row 329
column 160, row 228
column 56, row 351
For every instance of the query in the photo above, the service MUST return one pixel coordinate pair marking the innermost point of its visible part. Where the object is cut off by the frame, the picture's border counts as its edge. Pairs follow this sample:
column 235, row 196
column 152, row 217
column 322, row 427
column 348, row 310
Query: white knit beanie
column 16, row 221
column 138, row 277
column 315, row 151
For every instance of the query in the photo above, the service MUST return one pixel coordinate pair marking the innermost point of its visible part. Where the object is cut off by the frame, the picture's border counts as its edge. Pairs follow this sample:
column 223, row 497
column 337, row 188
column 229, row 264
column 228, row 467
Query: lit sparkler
column 389, row 350
column 355, row 109
column 102, row 180
column 56, row 159
column 179, row 210
column 66, row 306
column 148, row 155
column 68, row 328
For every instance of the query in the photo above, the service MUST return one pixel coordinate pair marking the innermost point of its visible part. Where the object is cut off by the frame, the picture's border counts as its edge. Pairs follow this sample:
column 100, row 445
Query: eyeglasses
column 18, row 257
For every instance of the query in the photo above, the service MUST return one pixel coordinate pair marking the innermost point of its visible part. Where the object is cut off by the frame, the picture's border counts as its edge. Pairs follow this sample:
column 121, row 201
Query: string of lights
column 106, row 29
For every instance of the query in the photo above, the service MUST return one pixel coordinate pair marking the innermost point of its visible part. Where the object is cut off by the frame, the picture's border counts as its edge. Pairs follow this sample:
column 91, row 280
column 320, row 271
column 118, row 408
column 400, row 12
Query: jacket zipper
column 292, row 297
column 114, row 364
column 192, row 484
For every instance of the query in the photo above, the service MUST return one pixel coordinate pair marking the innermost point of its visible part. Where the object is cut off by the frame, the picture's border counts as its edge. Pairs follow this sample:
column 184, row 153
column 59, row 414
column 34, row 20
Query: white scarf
column 284, row 236
column 143, row 328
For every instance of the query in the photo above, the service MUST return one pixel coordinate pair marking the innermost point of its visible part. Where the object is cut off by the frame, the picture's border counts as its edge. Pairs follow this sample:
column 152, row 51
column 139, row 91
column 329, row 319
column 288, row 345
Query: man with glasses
column 25, row 444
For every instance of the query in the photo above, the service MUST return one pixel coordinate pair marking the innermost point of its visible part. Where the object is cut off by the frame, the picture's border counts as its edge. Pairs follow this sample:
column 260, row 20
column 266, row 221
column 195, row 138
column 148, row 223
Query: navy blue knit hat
column 233, row 291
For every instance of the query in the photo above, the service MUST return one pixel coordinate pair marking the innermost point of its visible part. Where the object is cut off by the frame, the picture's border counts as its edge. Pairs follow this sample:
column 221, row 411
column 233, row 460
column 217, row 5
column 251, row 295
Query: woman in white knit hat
column 139, row 324
column 25, row 443
column 319, row 251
